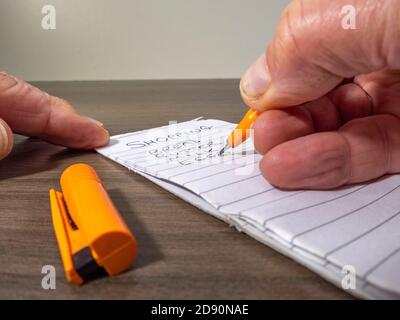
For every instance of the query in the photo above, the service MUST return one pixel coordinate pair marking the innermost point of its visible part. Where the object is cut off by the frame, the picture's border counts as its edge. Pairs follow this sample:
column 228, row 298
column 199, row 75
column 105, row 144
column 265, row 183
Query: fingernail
column 104, row 140
column 256, row 80
column 97, row 122
column 100, row 142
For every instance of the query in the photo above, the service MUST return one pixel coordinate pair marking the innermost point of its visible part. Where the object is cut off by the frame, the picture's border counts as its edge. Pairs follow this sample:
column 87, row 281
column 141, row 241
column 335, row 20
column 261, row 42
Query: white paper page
column 326, row 228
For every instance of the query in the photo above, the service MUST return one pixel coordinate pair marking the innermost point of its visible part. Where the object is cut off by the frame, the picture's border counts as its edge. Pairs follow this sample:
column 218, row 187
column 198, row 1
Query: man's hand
column 27, row 110
column 340, row 90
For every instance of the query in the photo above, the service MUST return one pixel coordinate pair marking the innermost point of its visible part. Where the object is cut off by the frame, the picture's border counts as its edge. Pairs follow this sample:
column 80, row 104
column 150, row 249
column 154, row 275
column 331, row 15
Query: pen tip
column 223, row 150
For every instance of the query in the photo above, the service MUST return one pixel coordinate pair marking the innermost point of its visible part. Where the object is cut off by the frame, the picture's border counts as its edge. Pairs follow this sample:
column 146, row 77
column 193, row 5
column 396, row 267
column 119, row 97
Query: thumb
column 6, row 139
column 314, row 49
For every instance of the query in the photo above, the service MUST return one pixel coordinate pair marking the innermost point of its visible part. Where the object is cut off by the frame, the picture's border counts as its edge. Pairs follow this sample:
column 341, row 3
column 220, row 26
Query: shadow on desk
column 148, row 251
column 31, row 156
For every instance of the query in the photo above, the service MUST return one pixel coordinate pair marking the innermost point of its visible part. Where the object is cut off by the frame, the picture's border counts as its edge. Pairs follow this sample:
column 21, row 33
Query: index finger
column 32, row 112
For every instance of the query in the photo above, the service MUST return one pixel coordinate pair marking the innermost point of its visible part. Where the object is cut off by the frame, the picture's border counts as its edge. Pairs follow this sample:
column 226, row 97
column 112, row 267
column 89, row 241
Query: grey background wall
column 135, row 39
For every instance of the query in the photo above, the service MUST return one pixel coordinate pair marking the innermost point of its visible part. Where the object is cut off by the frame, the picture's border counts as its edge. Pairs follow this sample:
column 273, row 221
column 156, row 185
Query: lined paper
column 356, row 225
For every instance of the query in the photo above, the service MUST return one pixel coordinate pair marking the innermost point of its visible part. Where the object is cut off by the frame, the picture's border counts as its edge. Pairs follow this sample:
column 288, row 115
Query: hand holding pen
column 328, row 97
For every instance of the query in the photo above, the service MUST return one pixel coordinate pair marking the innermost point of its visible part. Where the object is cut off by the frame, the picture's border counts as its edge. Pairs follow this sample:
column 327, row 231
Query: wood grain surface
column 183, row 253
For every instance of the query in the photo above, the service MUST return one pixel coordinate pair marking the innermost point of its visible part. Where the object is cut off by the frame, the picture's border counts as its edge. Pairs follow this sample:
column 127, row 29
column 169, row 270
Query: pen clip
column 64, row 231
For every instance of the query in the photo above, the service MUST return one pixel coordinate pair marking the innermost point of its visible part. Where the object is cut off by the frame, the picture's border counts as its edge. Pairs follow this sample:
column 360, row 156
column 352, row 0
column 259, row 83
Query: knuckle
column 7, row 82
column 61, row 103
column 296, row 30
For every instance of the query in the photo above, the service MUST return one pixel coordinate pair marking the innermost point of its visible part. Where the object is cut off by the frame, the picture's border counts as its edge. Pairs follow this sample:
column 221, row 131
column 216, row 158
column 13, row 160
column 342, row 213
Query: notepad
column 334, row 233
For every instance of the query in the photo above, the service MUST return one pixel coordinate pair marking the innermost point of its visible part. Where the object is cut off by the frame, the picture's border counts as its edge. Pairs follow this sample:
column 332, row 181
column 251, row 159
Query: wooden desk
column 183, row 252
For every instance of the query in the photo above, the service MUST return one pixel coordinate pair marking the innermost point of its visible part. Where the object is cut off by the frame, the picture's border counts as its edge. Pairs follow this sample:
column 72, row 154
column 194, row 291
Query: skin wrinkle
column 50, row 128
column 327, row 60
column 25, row 90
column 299, row 32
column 45, row 128
column 330, row 159
column 301, row 4
column 394, row 51
column 383, row 34
column 290, row 32
column 366, row 44
column 325, row 173
column 369, row 89
column 371, row 100
column 375, row 86
column 289, row 40
column 331, row 58
column 302, row 53
column 386, row 146
column 349, row 163
column 310, row 118
column 82, row 137
column 342, row 63
column 3, row 89
column 314, row 107
column 383, row 40
column 331, row 166
column 338, row 114
column 375, row 12
column 310, row 115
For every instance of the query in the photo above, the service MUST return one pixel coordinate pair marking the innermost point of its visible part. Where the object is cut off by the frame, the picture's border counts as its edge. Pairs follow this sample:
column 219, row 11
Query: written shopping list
column 352, row 229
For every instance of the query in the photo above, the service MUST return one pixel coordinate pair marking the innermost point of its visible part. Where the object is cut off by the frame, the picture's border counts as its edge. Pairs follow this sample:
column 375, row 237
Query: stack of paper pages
column 353, row 230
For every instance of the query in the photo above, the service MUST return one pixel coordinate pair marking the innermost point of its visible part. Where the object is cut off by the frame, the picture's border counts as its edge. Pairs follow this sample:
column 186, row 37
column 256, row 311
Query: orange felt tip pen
column 241, row 132
column 92, row 237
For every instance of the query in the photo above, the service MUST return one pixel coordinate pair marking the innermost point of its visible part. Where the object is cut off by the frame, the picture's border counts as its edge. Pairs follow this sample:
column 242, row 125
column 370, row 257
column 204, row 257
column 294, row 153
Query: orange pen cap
column 92, row 237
